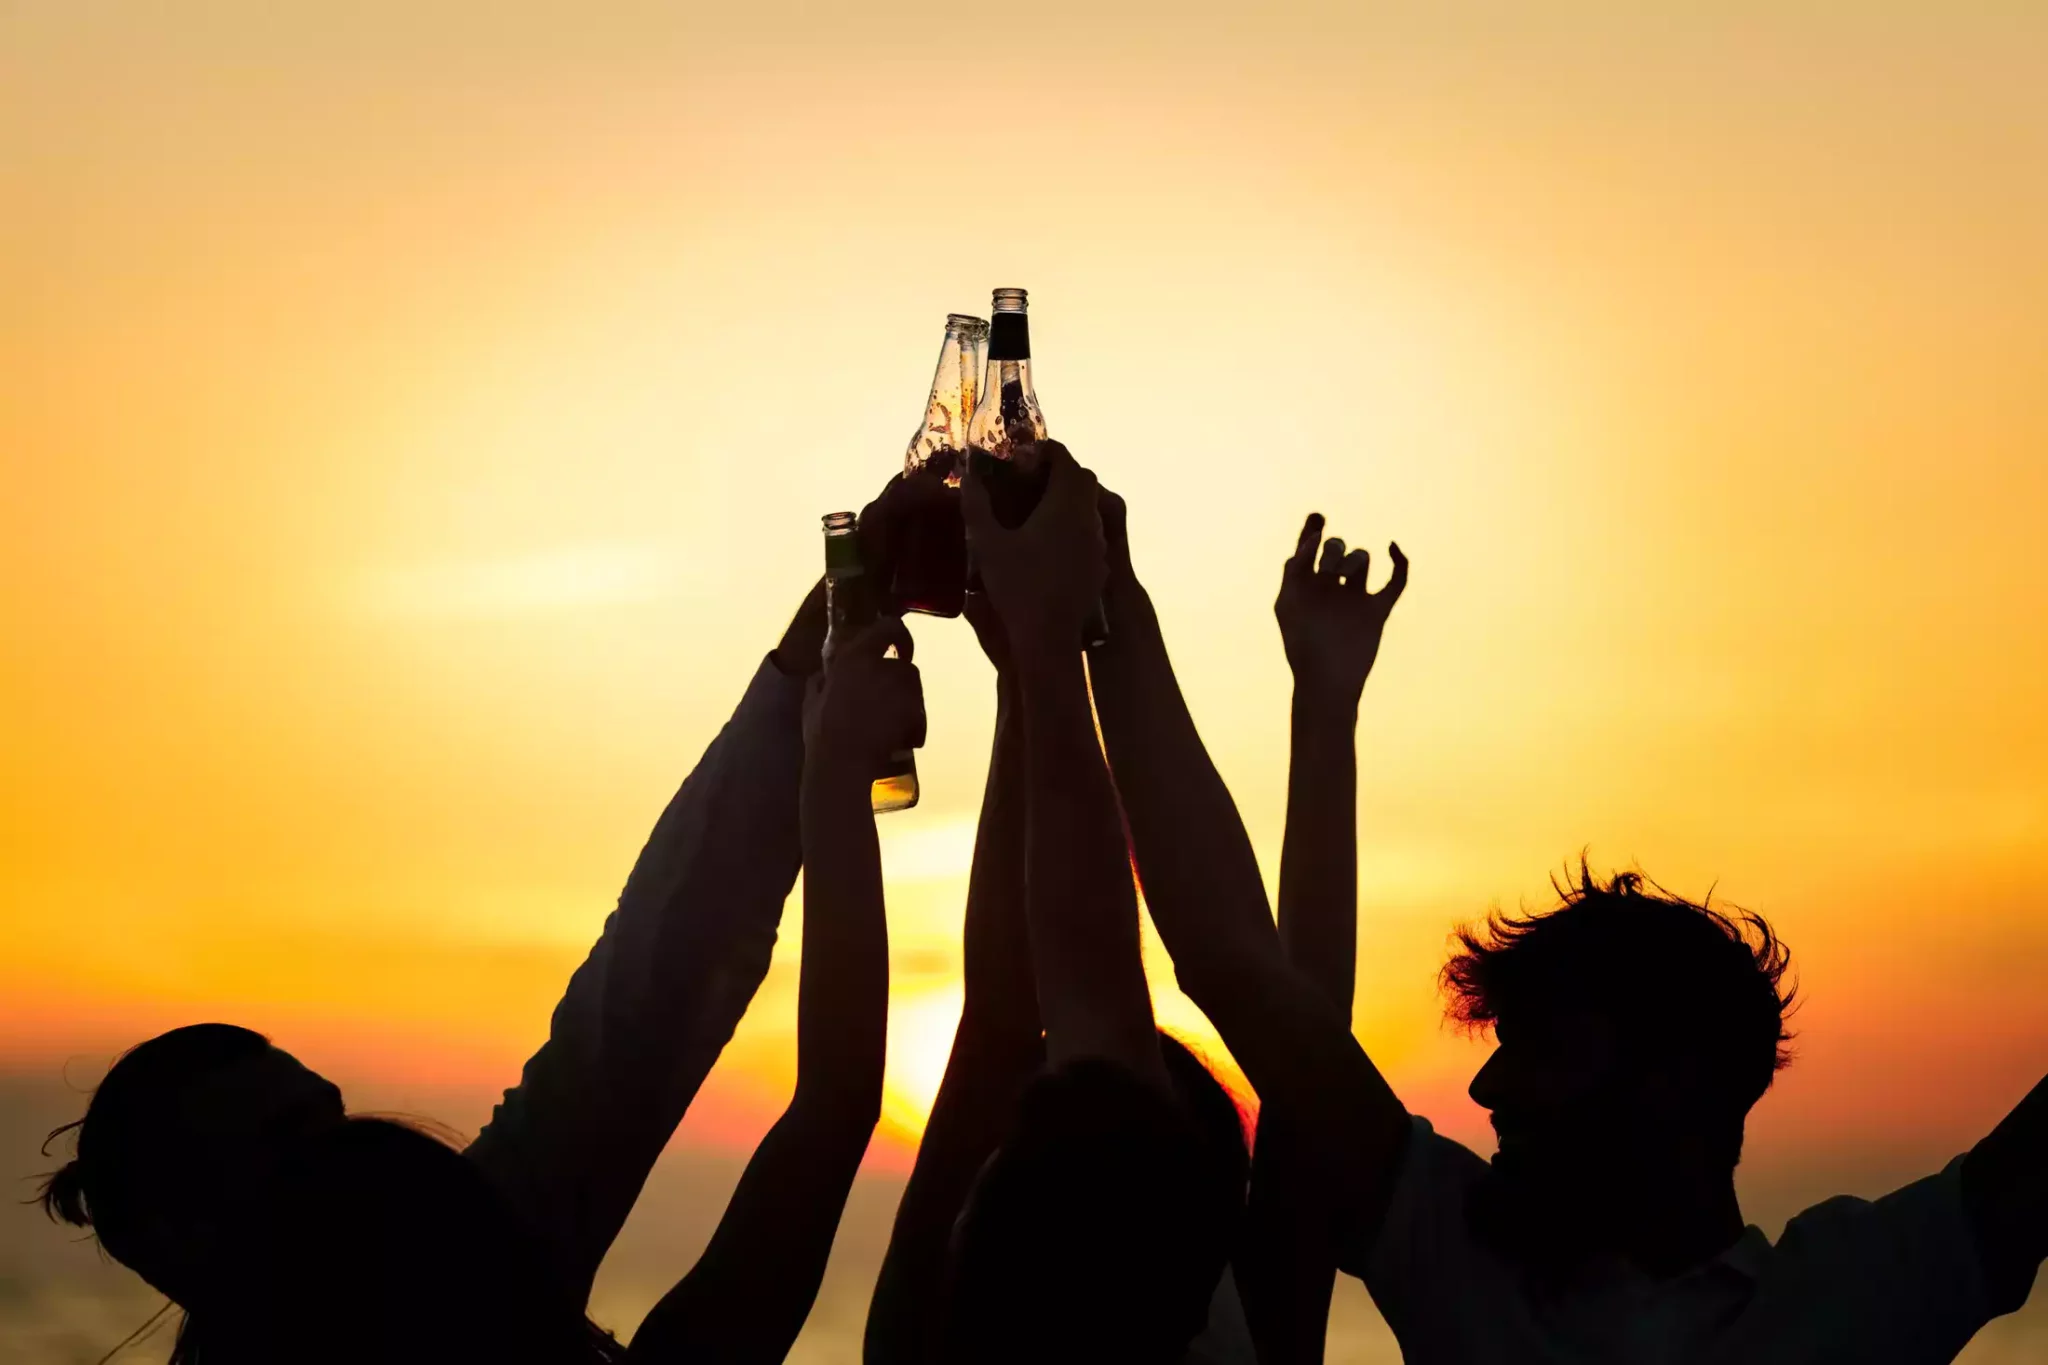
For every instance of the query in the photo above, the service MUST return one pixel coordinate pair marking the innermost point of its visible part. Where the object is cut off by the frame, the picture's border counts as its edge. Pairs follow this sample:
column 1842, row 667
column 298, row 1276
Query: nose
column 1485, row 1089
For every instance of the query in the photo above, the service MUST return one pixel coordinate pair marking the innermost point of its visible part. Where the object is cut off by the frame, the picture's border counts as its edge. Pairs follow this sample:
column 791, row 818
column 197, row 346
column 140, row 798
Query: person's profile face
column 1554, row 1088
column 234, row 1125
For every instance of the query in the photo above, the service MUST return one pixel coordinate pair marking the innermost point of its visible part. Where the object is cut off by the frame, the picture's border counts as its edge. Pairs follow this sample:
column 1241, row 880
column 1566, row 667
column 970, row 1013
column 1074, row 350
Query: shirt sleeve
column 660, row 994
column 1897, row 1277
column 1422, row 1260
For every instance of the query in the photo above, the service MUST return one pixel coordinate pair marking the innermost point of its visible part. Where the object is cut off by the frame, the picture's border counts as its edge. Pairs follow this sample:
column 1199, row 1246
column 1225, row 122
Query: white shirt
column 1893, row 1281
column 650, row 1009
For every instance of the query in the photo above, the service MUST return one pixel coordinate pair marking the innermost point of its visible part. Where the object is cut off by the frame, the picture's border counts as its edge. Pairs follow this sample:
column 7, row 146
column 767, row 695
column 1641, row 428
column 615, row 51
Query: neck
column 1679, row 1222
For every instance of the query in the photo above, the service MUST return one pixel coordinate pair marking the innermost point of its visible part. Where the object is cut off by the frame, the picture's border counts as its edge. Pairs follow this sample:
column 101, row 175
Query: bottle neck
column 1009, row 337
column 842, row 557
column 842, row 544
column 949, row 410
column 1008, row 415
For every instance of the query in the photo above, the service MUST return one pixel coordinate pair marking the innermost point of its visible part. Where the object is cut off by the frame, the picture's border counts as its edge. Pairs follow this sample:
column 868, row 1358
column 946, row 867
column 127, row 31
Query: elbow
column 844, row 1108
column 1219, row 976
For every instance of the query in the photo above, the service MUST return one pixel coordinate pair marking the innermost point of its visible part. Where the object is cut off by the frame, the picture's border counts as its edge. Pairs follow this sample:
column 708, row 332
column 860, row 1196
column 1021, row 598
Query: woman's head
column 1100, row 1228
column 176, row 1145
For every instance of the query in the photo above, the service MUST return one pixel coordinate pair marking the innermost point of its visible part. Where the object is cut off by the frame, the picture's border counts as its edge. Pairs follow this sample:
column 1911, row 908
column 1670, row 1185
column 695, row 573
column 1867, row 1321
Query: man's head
column 1635, row 1030
column 176, row 1145
column 1100, row 1228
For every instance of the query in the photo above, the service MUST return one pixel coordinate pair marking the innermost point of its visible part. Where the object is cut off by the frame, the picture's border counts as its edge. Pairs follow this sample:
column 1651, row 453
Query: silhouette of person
column 1095, row 1223
column 998, row 1048
column 185, row 1126
column 1635, row 1031
column 364, row 1239
column 1330, row 627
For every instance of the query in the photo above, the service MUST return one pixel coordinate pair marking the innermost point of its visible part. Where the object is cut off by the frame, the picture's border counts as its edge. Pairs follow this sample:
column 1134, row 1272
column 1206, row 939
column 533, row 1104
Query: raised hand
column 1043, row 578
column 865, row 706
column 1330, row 624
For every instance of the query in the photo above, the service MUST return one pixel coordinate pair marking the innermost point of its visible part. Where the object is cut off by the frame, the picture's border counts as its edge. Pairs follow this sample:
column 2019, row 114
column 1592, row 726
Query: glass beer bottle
column 929, row 572
column 850, row 608
column 1007, row 422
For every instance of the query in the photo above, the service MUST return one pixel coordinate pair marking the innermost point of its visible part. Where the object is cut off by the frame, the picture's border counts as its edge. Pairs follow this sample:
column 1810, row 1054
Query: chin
column 1528, row 1210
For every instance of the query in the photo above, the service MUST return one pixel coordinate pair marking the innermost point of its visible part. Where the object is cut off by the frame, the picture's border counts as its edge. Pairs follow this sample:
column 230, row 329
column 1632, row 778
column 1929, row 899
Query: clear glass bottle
column 1008, row 422
column 929, row 572
column 1008, row 415
column 850, row 608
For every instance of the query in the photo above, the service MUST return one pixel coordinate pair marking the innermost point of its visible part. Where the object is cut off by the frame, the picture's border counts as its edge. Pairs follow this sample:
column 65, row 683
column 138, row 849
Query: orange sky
column 415, row 420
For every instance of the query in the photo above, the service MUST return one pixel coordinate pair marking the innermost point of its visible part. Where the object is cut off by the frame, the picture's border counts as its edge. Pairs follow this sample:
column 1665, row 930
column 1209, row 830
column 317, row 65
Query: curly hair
column 1684, row 975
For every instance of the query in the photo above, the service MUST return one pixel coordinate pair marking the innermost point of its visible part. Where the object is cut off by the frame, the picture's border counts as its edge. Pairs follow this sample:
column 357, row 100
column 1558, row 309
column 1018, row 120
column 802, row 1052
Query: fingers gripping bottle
column 850, row 608
column 1008, row 423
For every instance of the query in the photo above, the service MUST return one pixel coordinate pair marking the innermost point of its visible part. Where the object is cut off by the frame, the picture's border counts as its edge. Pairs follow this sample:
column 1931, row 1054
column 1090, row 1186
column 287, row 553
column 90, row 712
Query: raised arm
column 646, row 1015
column 1044, row 579
column 748, row 1295
column 2005, row 1189
column 997, row 1047
column 1331, row 627
column 1203, row 887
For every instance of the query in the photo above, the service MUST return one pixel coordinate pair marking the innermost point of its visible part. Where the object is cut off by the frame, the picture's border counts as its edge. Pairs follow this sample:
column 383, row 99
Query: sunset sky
column 415, row 417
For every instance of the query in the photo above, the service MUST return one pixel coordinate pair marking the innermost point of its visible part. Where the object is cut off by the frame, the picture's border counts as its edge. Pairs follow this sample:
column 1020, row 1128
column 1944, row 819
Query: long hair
column 383, row 1243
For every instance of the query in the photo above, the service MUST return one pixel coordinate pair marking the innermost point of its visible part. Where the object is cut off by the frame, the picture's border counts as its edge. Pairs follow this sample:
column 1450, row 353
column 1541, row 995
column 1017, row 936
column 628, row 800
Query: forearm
column 1287, row 1263
column 843, row 989
column 1201, row 877
column 1203, row 887
column 997, row 1048
column 748, row 1295
column 746, row 1299
column 999, row 992
column 1319, row 853
column 644, row 1017
column 1081, row 907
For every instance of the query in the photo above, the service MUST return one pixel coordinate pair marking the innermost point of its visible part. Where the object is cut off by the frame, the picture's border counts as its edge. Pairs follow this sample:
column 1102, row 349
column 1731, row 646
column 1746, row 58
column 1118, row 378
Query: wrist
column 829, row 770
column 1043, row 663
column 1322, row 704
column 801, row 649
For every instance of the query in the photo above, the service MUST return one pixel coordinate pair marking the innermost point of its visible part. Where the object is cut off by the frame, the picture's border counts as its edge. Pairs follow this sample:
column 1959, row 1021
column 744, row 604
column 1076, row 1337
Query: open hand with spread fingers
column 1329, row 623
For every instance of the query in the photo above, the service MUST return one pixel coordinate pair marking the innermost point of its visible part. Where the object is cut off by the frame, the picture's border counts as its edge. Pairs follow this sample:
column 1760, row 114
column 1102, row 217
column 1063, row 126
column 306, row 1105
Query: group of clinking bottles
column 983, row 407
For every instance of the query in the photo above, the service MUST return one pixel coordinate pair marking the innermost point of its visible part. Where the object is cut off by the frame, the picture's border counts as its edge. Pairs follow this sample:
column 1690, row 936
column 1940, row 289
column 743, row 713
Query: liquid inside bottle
column 850, row 608
column 929, row 572
column 1008, row 424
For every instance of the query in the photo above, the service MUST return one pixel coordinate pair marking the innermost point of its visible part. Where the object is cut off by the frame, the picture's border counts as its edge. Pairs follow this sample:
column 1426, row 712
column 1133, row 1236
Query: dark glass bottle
column 929, row 569
column 850, row 608
column 1008, row 423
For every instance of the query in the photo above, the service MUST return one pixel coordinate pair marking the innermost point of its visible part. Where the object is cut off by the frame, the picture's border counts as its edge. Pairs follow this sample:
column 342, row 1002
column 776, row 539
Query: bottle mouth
column 1010, row 300
column 967, row 324
column 838, row 521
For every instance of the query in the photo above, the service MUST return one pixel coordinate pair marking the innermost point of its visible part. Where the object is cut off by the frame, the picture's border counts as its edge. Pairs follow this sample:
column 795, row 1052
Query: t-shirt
column 1892, row 1281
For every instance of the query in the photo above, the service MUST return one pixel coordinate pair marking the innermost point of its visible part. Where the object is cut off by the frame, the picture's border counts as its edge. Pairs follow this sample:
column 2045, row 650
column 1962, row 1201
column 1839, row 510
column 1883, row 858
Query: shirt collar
column 1747, row 1255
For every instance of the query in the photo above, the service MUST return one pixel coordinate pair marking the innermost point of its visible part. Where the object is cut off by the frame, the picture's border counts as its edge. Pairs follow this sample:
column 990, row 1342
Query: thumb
column 876, row 641
column 1397, row 584
column 974, row 504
